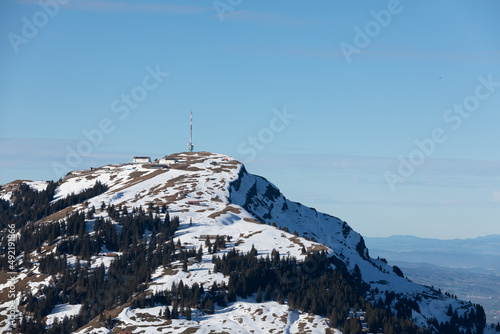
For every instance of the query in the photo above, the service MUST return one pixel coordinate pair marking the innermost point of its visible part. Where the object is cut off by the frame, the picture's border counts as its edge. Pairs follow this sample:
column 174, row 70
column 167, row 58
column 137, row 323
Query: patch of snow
column 163, row 279
column 34, row 287
column 62, row 310
column 76, row 185
column 37, row 185
column 6, row 196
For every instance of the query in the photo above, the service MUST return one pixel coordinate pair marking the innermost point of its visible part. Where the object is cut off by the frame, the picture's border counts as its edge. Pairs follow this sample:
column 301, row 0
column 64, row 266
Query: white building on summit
column 167, row 161
column 141, row 160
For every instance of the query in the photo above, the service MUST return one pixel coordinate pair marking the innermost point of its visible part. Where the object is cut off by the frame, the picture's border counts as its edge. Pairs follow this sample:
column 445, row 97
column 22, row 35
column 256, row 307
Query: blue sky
column 324, row 99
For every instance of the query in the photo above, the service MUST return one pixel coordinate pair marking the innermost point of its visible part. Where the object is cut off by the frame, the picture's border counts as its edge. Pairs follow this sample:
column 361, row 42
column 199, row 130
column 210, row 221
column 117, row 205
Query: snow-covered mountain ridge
column 213, row 194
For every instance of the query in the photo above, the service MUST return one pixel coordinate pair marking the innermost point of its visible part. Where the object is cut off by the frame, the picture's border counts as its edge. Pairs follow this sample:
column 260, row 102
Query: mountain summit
column 193, row 243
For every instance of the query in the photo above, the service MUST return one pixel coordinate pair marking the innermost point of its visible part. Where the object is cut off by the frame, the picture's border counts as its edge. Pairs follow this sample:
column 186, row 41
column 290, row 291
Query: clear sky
column 383, row 113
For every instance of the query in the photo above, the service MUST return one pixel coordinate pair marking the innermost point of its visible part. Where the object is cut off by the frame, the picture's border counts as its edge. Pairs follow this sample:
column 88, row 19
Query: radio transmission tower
column 190, row 144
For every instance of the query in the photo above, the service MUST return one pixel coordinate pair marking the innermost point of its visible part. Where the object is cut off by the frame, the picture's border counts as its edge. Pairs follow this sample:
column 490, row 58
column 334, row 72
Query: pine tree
column 199, row 254
column 167, row 314
column 258, row 299
column 450, row 311
column 209, row 306
column 231, row 296
column 109, row 322
column 175, row 312
column 333, row 319
column 268, row 293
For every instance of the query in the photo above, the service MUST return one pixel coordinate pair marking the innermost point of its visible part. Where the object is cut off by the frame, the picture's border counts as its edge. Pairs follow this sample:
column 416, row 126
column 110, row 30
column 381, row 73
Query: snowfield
column 240, row 317
column 61, row 311
column 37, row 185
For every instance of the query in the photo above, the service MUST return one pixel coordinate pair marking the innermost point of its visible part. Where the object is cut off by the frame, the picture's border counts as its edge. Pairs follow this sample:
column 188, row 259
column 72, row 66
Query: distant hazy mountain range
column 482, row 253
column 468, row 268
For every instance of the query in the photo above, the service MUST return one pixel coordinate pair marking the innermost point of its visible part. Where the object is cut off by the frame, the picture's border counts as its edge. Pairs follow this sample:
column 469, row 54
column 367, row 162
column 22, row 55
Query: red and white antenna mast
column 190, row 144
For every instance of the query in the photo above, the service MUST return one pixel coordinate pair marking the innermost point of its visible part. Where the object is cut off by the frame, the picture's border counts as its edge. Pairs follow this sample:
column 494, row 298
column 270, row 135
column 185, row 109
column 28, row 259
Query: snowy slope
column 8, row 189
column 262, row 199
column 202, row 178
column 213, row 194
column 245, row 316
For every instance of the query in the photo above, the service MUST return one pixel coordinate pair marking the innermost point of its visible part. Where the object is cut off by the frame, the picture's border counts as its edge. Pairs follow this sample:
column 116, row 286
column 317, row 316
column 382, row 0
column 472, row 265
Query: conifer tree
column 167, row 314
column 199, row 254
